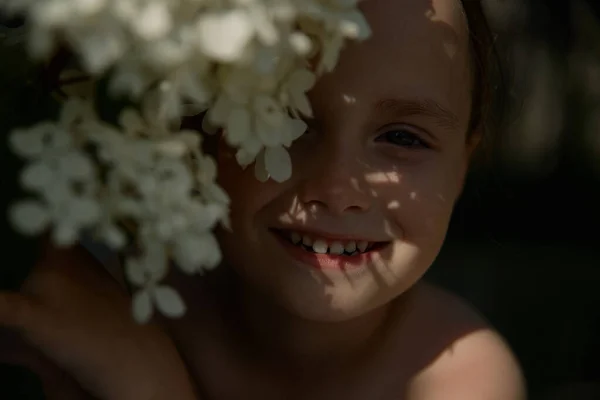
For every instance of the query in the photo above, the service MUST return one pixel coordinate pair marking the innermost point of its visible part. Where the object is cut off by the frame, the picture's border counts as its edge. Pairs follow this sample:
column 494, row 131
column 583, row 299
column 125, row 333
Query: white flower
column 45, row 137
column 62, row 176
column 245, row 61
column 223, row 36
column 273, row 163
column 70, row 215
column 30, row 217
column 168, row 301
column 206, row 176
column 146, row 272
column 195, row 252
column 153, row 21
column 295, row 88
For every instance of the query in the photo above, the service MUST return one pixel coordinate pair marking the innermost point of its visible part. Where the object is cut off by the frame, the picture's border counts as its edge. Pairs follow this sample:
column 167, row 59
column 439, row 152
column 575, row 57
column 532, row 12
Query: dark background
column 524, row 244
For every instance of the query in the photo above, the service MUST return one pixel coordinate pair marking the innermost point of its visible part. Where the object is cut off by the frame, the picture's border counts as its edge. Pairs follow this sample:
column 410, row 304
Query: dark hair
column 487, row 75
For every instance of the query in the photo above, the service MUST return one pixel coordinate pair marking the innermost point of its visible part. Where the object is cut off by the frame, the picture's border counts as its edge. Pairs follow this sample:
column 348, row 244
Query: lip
column 328, row 261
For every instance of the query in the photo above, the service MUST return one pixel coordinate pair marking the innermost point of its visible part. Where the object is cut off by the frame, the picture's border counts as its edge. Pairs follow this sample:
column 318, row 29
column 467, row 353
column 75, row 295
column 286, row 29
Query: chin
column 334, row 303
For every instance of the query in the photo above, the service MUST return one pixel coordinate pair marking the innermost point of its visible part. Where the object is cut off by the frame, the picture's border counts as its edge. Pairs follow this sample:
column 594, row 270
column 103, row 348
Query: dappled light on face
column 393, row 205
column 450, row 40
column 296, row 213
column 355, row 184
column 392, row 231
column 385, row 274
column 382, row 177
column 348, row 99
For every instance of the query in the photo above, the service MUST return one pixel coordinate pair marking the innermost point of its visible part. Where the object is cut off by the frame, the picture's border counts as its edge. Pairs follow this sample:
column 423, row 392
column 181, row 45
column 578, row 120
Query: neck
column 280, row 336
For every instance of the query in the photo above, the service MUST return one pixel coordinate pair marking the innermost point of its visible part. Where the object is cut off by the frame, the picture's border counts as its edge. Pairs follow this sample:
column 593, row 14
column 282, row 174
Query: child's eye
column 404, row 138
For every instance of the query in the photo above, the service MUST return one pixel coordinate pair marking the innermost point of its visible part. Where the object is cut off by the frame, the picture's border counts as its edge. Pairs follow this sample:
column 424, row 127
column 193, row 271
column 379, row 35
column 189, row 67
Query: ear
column 473, row 141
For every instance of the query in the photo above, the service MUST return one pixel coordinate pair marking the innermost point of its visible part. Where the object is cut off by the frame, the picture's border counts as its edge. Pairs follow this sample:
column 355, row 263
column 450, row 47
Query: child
column 318, row 295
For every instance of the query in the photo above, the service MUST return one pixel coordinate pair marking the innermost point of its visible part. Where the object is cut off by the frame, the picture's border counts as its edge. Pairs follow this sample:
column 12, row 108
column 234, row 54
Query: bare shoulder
column 462, row 357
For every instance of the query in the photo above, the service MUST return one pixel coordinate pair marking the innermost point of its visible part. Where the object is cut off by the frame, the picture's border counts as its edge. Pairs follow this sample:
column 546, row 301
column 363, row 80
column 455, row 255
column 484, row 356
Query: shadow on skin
column 419, row 321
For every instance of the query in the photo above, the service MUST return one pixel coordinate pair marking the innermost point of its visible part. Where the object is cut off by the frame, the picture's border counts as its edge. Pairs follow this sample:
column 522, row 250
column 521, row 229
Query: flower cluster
column 248, row 63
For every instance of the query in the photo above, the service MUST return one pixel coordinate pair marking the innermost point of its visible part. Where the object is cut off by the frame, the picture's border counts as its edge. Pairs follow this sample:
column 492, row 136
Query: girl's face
column 382, row 163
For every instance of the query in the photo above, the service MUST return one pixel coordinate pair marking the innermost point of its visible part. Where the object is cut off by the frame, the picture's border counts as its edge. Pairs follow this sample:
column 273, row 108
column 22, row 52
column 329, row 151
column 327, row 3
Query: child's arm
column 81, row 321
column 477, row 367
column 26, row 372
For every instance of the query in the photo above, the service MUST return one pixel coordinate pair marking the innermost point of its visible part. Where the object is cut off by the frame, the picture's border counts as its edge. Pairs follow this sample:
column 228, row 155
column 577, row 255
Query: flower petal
column 142, row 306
column 269, row 135
column 113, row 236
column 355, row 26
column 84, row 210
column 268, row 110
column 297, row 128
column 71, row 111
column 153, row 21
column 224, row 36
column 278, row 163
column 76, row 165
column 29, row 217
column 207, row 169
column 131, row 121
column 220, row 110
column 155, row 259
column 301, row 43
column 168, row 301
column 260, row 169
column 266, row 30
column 215, row 193
column 192, row 252
column 208, row 126
column 65, row 234
column 330, row 53
column 301, row 103
column 29, row 143
column 37, row 176
column 302, row 80
column 248, row 151
column 134, row 271
column 238, row 126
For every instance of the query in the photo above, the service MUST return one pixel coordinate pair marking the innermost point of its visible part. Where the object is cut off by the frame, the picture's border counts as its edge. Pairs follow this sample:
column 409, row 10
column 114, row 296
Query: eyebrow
column 416, row 106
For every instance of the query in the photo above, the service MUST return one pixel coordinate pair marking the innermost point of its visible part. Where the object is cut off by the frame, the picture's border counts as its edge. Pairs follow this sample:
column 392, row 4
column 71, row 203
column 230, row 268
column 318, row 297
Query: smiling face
column 381, row 167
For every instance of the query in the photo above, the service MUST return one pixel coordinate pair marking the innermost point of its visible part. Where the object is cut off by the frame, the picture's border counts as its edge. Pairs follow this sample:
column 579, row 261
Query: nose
column 336, row 185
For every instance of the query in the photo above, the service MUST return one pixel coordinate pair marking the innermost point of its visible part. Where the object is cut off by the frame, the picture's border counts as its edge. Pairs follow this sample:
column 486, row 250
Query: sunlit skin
column 351, row 176
column 384, row 160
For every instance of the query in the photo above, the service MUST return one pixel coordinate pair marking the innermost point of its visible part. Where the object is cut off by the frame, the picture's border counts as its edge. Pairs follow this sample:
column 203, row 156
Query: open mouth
column 328, row 246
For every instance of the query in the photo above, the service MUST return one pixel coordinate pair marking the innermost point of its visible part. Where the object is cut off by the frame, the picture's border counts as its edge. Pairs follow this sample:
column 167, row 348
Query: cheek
column 422, row 200
column 248, row 195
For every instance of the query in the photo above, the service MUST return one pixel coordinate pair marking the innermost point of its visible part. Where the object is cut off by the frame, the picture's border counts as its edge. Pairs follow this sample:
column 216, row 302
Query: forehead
column 418, row 49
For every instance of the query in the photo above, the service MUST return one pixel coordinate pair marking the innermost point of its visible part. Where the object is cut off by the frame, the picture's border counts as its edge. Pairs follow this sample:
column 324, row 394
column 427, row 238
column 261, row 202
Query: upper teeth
column 322, row 246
